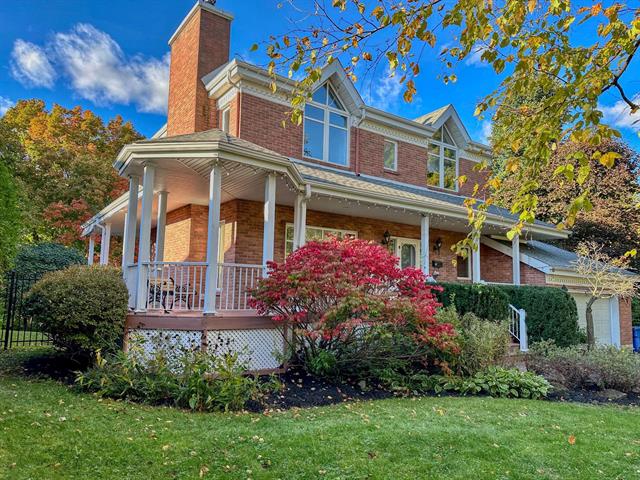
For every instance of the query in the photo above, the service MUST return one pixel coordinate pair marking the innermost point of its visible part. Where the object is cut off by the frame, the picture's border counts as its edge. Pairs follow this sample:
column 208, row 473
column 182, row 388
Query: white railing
column 175, row 286
column 180, row 286
column 518, row 327
column 235, row 281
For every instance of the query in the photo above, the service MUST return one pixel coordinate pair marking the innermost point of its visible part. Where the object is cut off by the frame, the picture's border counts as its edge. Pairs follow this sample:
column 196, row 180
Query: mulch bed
column 598, row 397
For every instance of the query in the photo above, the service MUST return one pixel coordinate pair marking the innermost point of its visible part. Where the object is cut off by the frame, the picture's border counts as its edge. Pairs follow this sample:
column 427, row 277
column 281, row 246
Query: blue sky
column 112, row 57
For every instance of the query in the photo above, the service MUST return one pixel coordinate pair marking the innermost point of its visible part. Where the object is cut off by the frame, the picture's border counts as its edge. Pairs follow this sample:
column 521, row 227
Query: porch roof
column 430, row 201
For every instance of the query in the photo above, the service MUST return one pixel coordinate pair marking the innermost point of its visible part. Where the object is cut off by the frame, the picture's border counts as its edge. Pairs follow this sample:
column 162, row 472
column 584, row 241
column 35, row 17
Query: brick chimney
column 199, row 46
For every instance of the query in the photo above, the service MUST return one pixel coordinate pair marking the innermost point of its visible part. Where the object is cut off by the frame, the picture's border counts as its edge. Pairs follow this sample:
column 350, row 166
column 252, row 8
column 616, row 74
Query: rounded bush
column 35, row 260
column 82, row 308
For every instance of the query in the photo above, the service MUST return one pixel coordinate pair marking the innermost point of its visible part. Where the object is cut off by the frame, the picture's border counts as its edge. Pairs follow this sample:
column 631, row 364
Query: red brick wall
column 626, row 334
column 200, row 47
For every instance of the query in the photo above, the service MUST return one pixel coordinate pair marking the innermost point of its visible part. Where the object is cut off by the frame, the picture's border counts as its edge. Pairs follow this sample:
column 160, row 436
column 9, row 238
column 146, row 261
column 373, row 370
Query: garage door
column 601, row 317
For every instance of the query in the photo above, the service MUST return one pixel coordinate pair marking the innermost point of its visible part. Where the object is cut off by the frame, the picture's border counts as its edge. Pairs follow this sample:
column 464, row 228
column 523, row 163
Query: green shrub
column 82, row 308
column 483, row 343
column 551, row 313
column 576, row 367
column 189, row 379
column 635, row 312
column 485, row 301
column 35, row 260
column 497, row 382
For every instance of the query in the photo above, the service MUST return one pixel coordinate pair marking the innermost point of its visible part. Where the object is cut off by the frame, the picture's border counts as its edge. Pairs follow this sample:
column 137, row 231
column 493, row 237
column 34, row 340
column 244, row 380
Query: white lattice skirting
column 260, row 349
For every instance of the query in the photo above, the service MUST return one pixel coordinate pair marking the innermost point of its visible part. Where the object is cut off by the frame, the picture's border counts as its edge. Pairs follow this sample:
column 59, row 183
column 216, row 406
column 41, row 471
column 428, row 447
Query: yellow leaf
column 572, row 440
column 609, row 158
column 532, row 5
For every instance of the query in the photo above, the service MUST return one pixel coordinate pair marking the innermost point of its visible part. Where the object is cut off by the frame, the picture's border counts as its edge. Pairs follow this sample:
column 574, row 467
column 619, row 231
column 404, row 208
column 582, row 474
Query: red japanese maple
column 346, row 295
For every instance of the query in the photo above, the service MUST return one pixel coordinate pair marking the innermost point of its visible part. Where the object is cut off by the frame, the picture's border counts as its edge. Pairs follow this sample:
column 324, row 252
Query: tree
column 606, row 278
column 64, row 162
column 10, row 220
column 576, row 52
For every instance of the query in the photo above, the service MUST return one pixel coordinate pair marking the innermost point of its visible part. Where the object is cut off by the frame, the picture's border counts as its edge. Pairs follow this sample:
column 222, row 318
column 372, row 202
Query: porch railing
column 518, row 327
column 180, row 286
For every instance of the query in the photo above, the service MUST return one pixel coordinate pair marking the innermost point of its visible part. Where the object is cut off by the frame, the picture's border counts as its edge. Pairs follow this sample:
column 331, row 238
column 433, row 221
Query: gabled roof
column 448, row 116
column 432, row 117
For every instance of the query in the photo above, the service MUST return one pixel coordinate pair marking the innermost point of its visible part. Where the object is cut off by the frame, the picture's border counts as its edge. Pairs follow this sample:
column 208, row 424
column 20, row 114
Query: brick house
column 225, row 164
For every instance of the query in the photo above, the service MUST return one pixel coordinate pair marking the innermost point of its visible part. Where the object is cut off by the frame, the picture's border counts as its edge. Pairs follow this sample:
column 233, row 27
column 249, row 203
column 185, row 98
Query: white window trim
column 225, row 112
column 416, row 242
column 469, row 267
column 442, row 146
column 324, row 230
column 395, row 156
column 327, row 129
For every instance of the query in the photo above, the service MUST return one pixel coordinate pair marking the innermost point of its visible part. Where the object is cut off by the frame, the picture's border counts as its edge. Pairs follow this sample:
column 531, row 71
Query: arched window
column 442, row 165
column 326, row 128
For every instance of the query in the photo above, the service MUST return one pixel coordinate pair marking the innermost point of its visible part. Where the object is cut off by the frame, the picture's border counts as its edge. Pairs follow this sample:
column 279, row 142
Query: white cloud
column 619, row 115
column 485, row 131
column 99, row 71
column 475, row 59
column 30, row 65
column 386, row 92
column 5, row 104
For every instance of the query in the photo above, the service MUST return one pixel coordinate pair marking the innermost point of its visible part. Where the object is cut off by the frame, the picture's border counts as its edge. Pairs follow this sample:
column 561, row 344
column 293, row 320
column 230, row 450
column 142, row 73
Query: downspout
column 356, row 162
column 239, row 114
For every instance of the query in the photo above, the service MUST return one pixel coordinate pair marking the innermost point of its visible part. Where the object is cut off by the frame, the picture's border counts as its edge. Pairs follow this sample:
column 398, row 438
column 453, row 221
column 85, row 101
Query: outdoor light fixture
column 438, row 245
column 386, row 237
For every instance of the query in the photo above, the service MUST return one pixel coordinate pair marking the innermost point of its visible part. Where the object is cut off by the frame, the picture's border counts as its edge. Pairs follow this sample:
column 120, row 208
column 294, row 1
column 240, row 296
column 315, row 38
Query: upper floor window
column 390, row 155
column 442, row 165
column 314, row 234
column 326, row 130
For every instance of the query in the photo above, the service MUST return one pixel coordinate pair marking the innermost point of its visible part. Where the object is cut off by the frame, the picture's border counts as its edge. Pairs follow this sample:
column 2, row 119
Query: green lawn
column 48, row 431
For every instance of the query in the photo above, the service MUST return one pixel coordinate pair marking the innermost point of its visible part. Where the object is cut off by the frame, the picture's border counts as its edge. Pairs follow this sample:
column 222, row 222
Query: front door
column 407, row 250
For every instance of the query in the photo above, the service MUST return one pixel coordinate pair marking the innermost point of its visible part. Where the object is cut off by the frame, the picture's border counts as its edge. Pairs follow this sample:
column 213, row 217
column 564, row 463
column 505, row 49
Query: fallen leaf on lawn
column 203, row 471
column 572, row 440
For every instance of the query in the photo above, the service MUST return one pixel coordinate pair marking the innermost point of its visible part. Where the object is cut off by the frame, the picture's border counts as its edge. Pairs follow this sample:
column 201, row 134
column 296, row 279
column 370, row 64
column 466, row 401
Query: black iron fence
column 17, row 329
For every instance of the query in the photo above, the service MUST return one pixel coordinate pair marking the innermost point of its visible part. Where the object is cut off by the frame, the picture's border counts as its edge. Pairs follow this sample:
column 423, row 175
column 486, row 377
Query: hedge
column 486, row 301
column 82, row 308
column 35, row 260
column 551, row 312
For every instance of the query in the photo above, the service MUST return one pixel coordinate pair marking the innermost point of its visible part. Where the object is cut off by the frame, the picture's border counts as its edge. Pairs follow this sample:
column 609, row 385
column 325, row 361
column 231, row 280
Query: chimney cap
column 204, row 5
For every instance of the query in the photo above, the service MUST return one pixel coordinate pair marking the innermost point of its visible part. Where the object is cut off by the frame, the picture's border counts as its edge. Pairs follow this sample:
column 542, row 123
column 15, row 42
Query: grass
column 49, row 431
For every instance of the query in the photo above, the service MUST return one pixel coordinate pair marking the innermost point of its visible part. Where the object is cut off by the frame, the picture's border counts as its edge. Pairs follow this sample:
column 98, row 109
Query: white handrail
column 518, row 327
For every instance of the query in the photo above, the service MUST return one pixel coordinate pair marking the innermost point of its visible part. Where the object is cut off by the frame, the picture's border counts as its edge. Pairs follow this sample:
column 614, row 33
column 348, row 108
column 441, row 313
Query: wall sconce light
column 438, row 245
column 386, row 237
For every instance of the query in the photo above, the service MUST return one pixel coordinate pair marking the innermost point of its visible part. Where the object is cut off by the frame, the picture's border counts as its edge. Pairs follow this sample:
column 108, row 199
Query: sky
column 112, row 57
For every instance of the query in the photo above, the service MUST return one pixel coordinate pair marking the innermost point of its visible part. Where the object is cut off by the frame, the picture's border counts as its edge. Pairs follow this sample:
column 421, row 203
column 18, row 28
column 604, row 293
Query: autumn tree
column 606, row 277
column 573, row 51
column 64, row 169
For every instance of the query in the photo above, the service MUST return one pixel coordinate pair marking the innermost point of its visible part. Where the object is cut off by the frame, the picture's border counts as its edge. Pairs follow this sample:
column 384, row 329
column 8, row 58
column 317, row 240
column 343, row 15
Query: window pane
column 450, row 153
column 438, row 135
column 462, row 267
column 450, row 174
column 446, row 138
column 313, row 234
column 288, row 248
column 314, row 112
column 338, row 120
column 434, row 149
column 433, row 171
column 313, row 139
column 337, row 146
column 333, row 100
column 320, row 95
column 407, row 255
column 390, row 155
column 289, row 232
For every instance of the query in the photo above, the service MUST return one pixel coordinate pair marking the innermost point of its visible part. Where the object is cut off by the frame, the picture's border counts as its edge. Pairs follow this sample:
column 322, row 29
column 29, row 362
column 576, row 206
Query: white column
column 475, row 260
column 144, row 243
column 92, row 249
column 161, row 225
column 614, row 315
column 424, row 244
column 213, row 230
column 302, row 221
column 515, row 257
column 297, row 205
column 105, row 244
column 130, row 224
column 269, row 219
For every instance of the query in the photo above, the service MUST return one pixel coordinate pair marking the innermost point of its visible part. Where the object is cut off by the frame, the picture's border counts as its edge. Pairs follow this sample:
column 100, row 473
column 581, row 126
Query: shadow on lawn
column 41, row 362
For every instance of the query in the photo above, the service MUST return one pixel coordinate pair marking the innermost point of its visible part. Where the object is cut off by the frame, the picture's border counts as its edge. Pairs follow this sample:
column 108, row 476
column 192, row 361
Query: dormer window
column 442, row 164
column 326, row 130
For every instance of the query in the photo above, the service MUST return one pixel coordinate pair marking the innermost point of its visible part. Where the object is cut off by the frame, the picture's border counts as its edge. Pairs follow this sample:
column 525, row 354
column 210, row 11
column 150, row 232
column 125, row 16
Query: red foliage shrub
column 350, row 298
